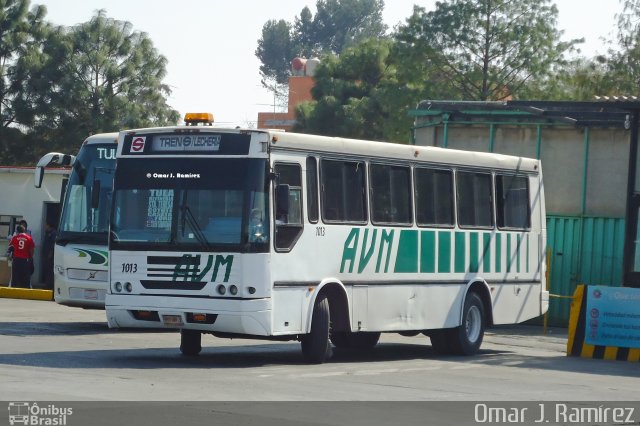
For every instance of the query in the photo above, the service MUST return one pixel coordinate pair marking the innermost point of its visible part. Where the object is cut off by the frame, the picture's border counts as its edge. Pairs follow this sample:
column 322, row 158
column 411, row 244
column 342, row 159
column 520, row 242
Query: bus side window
column 288, row 219
column 512, row 202
column 475, row 206
column 390, row 195
column 434, row 197
column 343, row 191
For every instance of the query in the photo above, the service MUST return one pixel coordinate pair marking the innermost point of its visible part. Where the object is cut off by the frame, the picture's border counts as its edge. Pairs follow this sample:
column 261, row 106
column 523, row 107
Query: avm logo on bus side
column 435, row 251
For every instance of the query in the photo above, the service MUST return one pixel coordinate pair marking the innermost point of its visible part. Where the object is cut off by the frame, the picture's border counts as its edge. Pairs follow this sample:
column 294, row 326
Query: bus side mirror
column 282, row 200
column 39, row 176
column 51, row 159
column 95, row 194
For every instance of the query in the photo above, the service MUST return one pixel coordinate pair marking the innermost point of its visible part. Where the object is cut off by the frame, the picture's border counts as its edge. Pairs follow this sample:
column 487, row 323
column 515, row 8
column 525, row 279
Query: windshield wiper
column 193, row 223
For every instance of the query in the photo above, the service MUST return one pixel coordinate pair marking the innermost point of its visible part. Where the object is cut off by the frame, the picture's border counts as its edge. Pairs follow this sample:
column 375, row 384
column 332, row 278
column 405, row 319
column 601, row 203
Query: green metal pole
column 492, row 136
column 539, row 142
column 585, row 170
column 583, row 209
column 445, row 136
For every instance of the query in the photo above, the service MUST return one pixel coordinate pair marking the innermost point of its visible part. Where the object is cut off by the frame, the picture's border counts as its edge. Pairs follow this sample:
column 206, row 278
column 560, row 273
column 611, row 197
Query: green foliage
column 615, row 74
column 579, row 80
column 275, row 50
column 337, row 25
column 58, row 85
column 623, row 64
column 111, row 79
column 358, row 95
column 21, row 32
column 487, row 49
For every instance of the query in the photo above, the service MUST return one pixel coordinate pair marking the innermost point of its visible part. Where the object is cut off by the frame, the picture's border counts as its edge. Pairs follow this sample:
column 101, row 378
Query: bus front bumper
column 241, row 316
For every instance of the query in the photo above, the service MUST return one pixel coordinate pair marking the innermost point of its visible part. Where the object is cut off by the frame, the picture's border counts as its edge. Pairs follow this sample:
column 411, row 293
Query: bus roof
column 102, row 138
column 386, row 151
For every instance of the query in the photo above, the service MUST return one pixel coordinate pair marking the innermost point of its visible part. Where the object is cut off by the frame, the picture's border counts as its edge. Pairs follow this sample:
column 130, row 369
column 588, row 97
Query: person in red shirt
column 23, row 247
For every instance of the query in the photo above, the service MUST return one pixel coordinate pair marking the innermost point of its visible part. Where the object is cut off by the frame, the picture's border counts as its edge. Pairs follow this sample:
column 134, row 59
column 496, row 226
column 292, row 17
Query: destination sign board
column 185, row 143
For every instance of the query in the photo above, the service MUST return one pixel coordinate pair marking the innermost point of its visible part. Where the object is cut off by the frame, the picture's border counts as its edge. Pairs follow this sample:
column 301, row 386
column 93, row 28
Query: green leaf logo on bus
column 96, row 257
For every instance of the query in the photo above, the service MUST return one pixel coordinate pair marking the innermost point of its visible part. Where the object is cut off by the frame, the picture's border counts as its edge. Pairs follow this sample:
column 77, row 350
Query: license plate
column 172, row 320
column 91, row 294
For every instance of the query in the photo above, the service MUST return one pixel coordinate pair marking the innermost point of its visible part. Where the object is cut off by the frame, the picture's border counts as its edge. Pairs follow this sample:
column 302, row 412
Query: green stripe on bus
column 428, row 251
column 473, row 252
column 444, row 251
column 407, row 256
column 460, row 262
column 519, row 246
column 498, row 252
column 509, row 254
column 486, row 252
column 527, row 252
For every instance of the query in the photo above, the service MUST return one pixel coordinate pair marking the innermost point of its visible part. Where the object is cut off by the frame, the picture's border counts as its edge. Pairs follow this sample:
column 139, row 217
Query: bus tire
column 466, row 339
column 190, row 342
column 316, row 347
column 364, row 341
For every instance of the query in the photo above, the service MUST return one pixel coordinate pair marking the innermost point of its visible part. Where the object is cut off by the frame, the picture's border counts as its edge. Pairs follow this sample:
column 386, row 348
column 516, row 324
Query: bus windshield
column 193, row 204
column 85, row 215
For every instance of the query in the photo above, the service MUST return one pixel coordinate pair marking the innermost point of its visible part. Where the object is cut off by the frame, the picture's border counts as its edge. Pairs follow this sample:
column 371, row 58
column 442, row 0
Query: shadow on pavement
column 277, row 353
column 65, row 328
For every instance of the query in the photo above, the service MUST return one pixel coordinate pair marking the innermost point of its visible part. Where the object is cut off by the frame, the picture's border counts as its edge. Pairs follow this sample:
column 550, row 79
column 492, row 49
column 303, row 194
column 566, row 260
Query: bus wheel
column 364, row 340
column 466, row 339
column 316, row 347
column 190, row 342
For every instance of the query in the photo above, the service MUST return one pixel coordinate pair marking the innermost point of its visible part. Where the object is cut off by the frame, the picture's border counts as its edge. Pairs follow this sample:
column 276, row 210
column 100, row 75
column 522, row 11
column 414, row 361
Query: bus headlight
column 128, row 287
column 233, row 290
column 118, row 286
column 222, row 289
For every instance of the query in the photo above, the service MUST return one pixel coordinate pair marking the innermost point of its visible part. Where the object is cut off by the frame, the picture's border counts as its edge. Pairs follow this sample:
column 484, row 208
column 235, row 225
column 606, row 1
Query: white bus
column 80, row 257
column 329, row 241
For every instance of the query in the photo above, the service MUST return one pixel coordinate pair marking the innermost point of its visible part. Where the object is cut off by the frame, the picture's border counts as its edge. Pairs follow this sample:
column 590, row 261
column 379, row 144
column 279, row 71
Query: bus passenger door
column 288, row 206
column 360, row 306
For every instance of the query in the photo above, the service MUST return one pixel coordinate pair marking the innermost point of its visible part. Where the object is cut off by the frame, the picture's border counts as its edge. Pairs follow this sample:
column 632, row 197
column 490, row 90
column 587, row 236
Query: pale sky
column 210, row 44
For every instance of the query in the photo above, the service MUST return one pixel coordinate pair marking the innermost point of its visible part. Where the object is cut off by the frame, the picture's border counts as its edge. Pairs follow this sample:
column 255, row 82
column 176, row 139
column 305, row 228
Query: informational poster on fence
column 613, row 316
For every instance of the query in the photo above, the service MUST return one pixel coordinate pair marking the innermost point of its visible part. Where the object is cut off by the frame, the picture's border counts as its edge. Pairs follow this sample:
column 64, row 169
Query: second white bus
column 80, row 255
column 329, row 241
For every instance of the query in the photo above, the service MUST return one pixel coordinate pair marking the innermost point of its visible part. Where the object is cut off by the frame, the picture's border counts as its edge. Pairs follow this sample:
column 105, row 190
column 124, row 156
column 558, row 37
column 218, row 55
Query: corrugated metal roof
column 607, row 112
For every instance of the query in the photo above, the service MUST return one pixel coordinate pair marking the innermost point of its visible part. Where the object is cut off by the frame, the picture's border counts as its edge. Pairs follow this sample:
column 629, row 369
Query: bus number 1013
column 129, row 268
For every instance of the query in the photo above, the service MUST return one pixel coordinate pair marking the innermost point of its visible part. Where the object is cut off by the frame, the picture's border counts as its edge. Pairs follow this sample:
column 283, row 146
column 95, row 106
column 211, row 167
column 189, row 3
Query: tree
column 103, row 77
column 580, row 79
column 358, row 94
column 336, row 25
column 275, row 50
column 21, row 32
column 624, row 62
column 339, row 24
column 487, row 49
